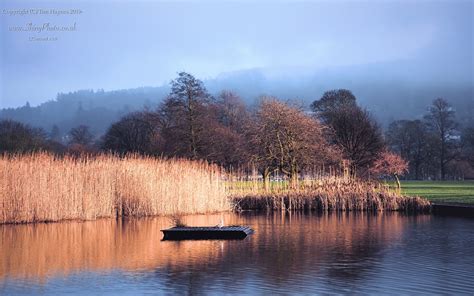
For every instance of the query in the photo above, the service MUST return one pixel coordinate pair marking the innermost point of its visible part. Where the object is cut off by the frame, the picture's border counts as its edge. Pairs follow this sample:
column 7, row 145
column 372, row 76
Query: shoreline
column 419, row 209
column 317, row 200
column 453, row 209
column 436, row 209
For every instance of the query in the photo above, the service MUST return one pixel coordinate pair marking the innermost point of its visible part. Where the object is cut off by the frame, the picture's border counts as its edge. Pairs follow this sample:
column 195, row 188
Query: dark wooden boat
column 216, row 232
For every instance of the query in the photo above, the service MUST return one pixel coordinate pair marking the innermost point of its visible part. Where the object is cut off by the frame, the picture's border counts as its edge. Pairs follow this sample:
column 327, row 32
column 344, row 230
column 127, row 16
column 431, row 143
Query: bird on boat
column 221, row 224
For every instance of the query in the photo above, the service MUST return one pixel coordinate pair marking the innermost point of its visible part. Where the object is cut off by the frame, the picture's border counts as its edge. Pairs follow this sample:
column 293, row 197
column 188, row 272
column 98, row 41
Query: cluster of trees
column 21, row 138
column 17, row 137
column 436, row 147
column 271, row 136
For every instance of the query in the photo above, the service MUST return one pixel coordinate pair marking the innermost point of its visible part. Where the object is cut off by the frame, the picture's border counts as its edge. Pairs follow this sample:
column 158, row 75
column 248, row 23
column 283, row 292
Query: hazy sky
column 124, row 44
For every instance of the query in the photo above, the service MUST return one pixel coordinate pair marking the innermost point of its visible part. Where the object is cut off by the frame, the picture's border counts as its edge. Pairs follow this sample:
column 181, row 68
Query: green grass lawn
column 441, row 191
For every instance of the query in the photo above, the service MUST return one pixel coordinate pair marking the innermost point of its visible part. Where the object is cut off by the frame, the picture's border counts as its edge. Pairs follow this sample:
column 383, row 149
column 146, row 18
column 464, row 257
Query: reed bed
column 330, row 193
column 42, row 187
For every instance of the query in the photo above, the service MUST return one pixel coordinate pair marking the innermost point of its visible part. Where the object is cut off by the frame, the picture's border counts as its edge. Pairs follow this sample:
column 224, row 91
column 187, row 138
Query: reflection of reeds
column 281, row 243
column 44, row 249
column 177, row 220
column 41, row 187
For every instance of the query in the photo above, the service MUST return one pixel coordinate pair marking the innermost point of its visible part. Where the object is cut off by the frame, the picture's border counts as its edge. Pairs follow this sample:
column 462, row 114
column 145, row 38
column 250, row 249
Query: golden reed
column 42, row 187
column 326, row 193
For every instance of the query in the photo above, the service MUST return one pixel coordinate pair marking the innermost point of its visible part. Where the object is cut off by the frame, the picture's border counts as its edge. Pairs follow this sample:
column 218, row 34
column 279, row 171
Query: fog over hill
column 396, row 90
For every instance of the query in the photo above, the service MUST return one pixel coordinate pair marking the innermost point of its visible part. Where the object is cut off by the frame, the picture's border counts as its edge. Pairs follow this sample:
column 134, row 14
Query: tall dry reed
column 338, row 193
column 42, row 187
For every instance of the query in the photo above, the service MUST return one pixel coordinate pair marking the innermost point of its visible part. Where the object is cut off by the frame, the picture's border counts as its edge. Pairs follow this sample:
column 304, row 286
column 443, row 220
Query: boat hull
column 206, row 233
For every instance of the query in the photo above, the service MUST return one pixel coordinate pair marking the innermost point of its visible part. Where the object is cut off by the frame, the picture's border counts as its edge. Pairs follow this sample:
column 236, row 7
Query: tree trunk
column 399, row 185
column 294, row 179
column 443, row 171
column 417, row 171
column 442, row 157
column 266, row 179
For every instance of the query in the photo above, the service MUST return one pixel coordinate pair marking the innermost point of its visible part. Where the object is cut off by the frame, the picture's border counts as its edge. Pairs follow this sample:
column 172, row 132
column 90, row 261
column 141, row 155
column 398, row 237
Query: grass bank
column 441, row 191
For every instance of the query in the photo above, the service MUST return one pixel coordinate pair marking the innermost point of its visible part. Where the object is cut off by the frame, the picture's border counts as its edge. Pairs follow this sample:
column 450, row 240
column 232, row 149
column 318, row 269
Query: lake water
column 292, row 253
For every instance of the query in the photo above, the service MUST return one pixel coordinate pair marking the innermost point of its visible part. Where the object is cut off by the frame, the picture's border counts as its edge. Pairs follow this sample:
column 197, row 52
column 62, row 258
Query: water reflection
column 291, row 240
column 302, row 252
column 40, row 250
column 301, row 247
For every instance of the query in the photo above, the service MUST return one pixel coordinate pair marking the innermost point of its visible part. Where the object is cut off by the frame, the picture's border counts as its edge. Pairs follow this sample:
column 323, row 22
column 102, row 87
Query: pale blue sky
column 124, row 44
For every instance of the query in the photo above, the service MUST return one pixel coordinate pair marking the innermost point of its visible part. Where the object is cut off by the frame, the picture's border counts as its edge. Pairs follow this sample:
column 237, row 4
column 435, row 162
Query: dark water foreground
column 297, row 253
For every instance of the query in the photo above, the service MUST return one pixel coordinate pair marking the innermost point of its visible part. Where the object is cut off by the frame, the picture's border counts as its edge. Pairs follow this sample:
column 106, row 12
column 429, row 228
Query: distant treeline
column 389, row 91
column 272, row 136
column 97, row 109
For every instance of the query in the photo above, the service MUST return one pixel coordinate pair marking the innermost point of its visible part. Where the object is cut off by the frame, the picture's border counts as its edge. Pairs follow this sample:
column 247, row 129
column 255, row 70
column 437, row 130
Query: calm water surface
column 297, row 253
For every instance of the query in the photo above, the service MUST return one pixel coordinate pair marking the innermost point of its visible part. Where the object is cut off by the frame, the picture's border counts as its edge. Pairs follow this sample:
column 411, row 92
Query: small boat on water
column 215, row 232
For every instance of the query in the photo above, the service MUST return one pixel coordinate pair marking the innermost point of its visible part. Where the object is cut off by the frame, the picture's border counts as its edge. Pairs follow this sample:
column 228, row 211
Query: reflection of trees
column 353, row 261
column 344, row 247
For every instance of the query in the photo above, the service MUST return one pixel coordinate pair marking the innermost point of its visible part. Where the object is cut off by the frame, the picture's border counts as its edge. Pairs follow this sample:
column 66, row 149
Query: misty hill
column 389, row 90
column 398, row 90
column 97, row 109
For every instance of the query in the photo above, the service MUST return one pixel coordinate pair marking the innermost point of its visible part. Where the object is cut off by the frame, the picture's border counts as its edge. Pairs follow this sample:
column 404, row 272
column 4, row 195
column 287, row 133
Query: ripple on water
column 298, row 253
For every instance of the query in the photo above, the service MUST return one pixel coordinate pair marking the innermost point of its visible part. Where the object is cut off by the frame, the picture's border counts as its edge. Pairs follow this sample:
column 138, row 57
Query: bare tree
column 389, row 163
column 350, row 128
column 440, row 120
column 359, row 137
column 224, row 138
column 55, row 134
column 81, row 135
column 231, row 111
column 184, row 114
column 410, row 139
column 467, row 139
column 19, row 138
column 224, row 146
column 332, row 102
column 136, row 132
column 285, row 138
